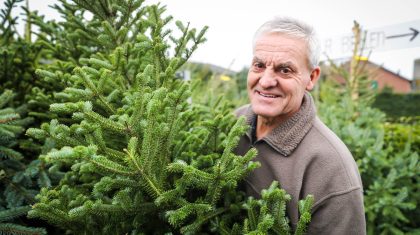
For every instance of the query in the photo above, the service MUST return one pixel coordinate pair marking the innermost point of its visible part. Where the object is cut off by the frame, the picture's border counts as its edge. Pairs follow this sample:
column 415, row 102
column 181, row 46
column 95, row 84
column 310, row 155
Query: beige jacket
column 308, row 158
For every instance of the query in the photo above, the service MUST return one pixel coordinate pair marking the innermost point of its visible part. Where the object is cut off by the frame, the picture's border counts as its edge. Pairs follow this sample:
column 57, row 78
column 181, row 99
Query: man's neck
column 266, row 125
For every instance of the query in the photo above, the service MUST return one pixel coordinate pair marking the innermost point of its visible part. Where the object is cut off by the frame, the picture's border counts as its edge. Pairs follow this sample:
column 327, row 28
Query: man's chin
column 265, row 113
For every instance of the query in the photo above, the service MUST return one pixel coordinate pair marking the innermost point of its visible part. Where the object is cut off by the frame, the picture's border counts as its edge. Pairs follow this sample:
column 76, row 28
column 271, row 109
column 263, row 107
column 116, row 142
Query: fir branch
column 9, row 228
column 7, row 118
column 6, row 97
column 127, row 11
column 231, row 142
column 10, row 214
column 44, row 180
column 80, row 74
column 108, row 184
column 66, row 108
column 105, row 122
column 182, row 42
column 81, row 212
column 36, row 133
column 153, row 188
column 191, row 172
column 115, row 154
column 20, row 190
column 115, row 210
column 110, row 166
column 99, row 11
column 215, row 188
column 203, row 218
column 168, row 196
column 265, row 223
column 47, row 75
column 197, row 40
column 176, row 217
column 251, row 206
column 110, row 31
column 70, row 154
column 10, row 154
column 305, row 214
column 98, row 139
column 50, row 214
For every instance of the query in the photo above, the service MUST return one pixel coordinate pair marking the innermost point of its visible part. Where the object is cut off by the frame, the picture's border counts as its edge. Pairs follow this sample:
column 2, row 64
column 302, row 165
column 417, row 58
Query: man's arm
column 339, row 213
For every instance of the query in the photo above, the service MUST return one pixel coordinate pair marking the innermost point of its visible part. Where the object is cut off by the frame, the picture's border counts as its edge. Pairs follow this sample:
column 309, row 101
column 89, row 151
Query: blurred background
column 233, row 23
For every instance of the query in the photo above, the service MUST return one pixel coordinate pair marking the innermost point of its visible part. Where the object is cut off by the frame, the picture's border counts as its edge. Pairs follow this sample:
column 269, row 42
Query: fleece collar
column 287, row 136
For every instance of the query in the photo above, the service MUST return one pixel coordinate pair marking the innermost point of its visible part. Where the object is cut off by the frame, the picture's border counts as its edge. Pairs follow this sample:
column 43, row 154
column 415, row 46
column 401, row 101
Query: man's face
column 279, row 76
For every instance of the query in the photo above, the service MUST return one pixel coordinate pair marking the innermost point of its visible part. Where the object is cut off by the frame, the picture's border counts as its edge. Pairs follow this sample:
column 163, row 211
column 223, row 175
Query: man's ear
column 315, row 74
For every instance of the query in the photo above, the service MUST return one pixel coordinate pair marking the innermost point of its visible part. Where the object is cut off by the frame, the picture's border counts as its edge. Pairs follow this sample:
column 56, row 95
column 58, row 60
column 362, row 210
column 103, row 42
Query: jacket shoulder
column 320, row 132
column 330, row 154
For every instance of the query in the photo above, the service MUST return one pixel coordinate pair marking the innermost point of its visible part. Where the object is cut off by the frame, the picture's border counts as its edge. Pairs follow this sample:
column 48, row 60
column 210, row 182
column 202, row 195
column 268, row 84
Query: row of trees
column 98, row 135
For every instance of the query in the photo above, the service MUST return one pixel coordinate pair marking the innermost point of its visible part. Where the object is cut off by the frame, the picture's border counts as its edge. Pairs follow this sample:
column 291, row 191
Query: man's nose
column 267, row 79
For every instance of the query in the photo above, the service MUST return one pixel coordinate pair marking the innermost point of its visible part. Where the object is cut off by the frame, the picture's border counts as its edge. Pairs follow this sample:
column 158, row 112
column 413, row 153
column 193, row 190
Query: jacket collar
column 287, row 136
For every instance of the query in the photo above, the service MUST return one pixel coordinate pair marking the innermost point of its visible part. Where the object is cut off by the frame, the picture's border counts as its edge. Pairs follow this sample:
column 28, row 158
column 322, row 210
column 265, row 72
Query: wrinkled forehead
column 278, row 47
column 276, row 40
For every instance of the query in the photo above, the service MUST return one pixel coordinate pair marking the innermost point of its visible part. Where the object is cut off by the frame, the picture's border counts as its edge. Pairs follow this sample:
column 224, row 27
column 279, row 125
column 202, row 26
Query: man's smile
column 266, row 95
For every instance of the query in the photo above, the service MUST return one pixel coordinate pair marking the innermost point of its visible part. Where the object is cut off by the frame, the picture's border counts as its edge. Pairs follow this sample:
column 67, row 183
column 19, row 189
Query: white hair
column 294, row 28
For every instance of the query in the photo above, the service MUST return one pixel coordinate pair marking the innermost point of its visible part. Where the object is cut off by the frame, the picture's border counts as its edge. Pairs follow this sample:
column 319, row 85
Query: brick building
column 382, row 77
column 386, row 78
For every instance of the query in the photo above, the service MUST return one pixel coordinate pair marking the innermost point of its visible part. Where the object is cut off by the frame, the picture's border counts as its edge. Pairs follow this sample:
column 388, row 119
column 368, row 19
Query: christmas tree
column 135, row 155
column 18, row 176
column 21, row 173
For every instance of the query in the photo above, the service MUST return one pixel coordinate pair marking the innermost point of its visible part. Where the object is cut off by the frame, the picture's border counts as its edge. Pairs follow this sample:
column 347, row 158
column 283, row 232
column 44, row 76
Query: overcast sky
column 232, row 24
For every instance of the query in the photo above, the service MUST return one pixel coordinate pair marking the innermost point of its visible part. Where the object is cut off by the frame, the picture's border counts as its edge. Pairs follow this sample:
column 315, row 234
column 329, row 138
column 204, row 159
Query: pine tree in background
column 19, row 56
column 21, row 173
column 12, row 167
column 19, row 60
column 389, row 173
column 135, row 156
column 18, row 186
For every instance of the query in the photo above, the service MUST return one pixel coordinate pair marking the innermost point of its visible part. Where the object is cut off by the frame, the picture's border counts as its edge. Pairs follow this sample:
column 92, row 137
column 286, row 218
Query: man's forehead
column 266, row 56
column 278, row 52
column 270, row 46
column 279, row 43
column 275, row 60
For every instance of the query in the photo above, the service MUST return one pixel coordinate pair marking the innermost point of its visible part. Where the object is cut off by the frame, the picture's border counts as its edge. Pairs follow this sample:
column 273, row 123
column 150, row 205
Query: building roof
column 374, row 65
column 370, row 63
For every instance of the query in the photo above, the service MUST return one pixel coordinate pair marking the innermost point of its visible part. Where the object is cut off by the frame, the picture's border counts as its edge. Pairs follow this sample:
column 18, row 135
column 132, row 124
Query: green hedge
column 398, row 105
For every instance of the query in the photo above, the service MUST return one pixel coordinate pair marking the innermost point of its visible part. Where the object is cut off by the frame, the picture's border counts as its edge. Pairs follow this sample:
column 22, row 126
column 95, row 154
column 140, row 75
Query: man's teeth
column 267, row 95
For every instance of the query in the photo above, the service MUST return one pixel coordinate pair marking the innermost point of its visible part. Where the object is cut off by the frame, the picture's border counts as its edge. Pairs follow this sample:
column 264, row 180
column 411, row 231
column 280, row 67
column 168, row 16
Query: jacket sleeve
column 339, row 213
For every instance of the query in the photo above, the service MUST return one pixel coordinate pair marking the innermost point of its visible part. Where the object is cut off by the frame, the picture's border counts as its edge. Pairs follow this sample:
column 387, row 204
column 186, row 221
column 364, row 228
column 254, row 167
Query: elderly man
column 294, row 146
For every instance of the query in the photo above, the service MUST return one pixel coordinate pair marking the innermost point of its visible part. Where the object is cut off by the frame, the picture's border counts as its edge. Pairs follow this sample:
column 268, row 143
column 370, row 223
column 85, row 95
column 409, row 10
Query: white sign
column 400, row 36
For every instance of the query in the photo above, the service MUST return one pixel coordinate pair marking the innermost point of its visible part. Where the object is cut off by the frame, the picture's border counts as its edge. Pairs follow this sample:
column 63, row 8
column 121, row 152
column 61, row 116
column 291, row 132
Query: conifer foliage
column 18, row 187
column 134, row 154
column 21, row 173
column 389, row 168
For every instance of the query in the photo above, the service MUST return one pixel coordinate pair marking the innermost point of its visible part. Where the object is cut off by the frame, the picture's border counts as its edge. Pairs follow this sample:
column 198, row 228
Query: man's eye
column 285, row 70
column 259, row 65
